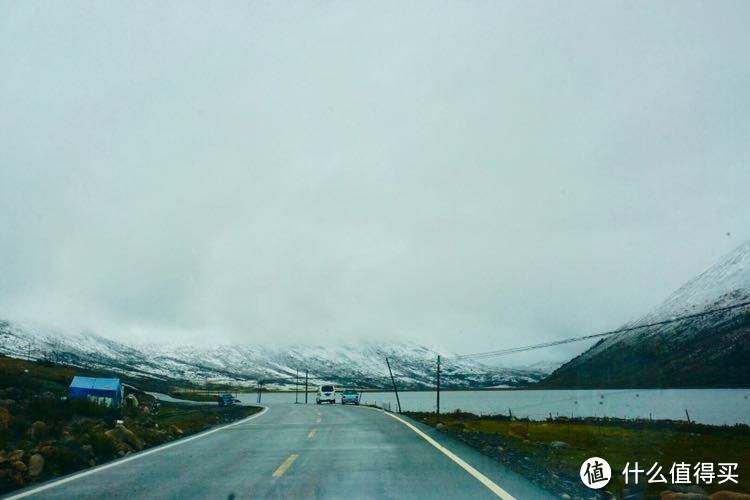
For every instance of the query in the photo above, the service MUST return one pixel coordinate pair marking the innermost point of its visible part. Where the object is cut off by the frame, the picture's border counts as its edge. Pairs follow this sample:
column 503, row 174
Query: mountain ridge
column 362, row 365
column 706, row 351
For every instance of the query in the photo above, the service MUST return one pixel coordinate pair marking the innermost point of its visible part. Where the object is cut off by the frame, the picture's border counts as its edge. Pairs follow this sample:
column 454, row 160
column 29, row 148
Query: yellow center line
column 287, row 463
column 312, row 433
column 317, row 421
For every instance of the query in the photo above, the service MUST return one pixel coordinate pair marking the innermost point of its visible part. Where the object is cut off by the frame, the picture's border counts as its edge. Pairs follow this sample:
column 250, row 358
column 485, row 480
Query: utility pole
column 305, row 386
column 393, row 381
column 296, row 388
column 438, row 389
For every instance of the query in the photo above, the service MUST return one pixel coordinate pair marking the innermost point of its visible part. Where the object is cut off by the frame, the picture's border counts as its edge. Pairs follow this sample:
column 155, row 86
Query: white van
column 326, row 393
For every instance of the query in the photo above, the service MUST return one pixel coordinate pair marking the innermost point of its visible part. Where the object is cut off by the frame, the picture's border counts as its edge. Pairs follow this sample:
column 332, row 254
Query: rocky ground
column 550, row 453
column 44, row 435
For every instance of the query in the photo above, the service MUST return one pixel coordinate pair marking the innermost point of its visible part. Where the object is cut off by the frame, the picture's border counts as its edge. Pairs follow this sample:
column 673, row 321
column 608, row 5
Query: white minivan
column 326, row 393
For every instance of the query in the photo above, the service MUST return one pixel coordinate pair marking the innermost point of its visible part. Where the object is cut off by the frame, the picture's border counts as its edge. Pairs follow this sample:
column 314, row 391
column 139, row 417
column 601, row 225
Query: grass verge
column 550, row 453
column 43, row 435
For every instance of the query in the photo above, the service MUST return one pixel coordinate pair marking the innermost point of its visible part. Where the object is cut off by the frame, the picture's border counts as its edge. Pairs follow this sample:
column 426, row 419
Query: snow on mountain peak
column 361, row 365
column 725, row 283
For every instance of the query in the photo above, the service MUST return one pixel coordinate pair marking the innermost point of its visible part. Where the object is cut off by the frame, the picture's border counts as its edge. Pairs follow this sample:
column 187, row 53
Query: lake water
column 708, row 406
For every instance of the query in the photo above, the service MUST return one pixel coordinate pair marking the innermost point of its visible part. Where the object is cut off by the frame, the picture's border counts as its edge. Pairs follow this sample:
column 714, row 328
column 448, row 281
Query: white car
column 326, row 393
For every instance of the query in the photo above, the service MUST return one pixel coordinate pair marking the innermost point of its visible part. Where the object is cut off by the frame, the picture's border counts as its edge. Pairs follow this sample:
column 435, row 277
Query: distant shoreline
column 463, row 389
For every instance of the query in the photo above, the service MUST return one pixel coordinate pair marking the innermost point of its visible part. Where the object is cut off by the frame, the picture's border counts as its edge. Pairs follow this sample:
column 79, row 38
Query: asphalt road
column 302, row 451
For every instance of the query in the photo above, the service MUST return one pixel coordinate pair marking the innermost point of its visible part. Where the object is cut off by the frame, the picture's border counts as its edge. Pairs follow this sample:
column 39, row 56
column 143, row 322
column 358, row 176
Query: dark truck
column 226, row 400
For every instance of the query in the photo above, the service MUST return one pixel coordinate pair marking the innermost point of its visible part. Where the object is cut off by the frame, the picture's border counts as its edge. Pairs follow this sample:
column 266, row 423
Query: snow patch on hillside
column 359, row 365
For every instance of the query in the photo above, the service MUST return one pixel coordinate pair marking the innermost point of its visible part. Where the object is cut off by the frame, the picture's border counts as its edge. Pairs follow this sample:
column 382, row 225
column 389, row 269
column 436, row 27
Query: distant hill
column 361, row 365
column 710, row 351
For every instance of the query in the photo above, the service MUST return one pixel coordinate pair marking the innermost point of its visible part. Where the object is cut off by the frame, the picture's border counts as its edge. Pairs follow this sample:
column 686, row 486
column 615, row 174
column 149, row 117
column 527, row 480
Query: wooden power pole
column 393, row 381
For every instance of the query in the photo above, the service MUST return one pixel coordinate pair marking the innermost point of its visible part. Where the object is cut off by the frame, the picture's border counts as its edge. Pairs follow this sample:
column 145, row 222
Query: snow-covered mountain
column 361, row 365
column 706, row 351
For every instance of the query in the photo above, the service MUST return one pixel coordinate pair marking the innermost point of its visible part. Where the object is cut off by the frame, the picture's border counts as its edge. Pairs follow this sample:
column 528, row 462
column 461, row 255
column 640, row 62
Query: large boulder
column 8, row 404
column 124, row 435
column 39, row 430
column 4, row 418
column 19, row 466
column 729, row 495
column 36, row 464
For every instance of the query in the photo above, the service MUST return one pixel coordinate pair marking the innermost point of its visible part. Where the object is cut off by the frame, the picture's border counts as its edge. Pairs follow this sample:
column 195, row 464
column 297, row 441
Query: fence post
column 296, row 388
column 305, row 386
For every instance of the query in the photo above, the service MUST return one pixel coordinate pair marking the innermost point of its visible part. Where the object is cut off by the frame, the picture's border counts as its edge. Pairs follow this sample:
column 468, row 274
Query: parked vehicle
column 350, row 396
column 326, row 393
column 226, row 400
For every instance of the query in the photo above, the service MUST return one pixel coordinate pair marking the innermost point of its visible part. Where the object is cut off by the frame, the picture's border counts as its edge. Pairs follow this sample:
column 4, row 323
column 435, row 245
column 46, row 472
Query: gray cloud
column 468, row 175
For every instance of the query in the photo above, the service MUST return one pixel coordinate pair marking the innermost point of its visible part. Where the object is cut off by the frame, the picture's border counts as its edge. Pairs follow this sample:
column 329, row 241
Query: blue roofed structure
column 108, row 391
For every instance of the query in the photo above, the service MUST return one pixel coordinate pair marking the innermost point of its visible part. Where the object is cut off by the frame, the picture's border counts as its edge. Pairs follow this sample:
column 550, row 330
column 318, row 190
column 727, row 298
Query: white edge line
column 492, row 486
column 127, row 459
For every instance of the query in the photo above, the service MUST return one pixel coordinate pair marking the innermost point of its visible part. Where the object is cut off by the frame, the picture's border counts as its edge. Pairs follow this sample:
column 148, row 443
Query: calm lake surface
column 708, row 406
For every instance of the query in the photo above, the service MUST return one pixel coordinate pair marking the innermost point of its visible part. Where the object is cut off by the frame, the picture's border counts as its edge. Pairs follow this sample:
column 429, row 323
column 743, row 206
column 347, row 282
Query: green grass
column 72, row 434
column 618, row 442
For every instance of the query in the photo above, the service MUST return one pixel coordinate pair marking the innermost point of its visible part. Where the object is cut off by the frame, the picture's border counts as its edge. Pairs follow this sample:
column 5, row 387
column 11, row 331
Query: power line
column 513, row 350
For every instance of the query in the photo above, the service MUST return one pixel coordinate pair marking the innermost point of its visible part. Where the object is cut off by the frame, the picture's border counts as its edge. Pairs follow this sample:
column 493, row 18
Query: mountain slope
column 709, row 351
column 361, row 365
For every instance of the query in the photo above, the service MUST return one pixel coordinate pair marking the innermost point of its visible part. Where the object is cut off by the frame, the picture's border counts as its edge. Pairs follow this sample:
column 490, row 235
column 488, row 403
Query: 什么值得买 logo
column 595, row 473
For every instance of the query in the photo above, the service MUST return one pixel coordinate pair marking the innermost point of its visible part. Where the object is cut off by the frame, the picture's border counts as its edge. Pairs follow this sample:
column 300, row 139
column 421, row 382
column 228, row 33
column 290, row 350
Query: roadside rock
column 729, row 495
column 674, row 495
column 4, row 418
column 125, row 435
column 175, row 430
column 558, row 445
column 19, row 466
column 8, row 404
column 47, row 450
column 18, row 478
column 15, row 456
column 39, row 430
column 36, row 465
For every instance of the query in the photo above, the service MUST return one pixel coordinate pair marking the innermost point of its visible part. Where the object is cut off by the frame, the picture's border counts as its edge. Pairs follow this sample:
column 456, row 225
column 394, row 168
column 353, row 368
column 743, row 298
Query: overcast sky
column 468, row 175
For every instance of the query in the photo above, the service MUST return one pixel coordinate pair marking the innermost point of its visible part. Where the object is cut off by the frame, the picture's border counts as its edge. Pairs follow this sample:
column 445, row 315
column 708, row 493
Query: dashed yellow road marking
column 284, row 466
column 312, row 433
column 317, row 420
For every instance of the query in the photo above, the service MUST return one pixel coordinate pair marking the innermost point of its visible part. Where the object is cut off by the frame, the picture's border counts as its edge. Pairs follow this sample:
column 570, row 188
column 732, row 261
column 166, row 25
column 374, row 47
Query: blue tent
column 95, row 388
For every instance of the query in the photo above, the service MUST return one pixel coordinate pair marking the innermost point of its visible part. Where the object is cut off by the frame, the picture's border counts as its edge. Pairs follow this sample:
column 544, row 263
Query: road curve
column 301, row 451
